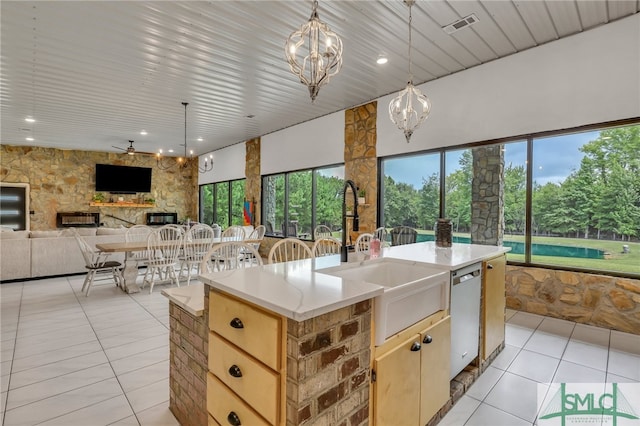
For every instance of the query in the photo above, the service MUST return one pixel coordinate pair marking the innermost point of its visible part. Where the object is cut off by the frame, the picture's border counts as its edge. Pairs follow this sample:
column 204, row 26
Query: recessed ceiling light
column 382, row 59
column 200, row 139
column 143, row 132
column 30, row 139
column 30, row 120
column 170, row 150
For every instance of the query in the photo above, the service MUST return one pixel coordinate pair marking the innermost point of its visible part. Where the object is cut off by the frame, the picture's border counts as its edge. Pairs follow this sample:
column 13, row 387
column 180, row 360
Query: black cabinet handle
column 236, row 323
column 427, row 339
column 234, row 370
column 489, row 266
column 415, row 347
column 233, row 419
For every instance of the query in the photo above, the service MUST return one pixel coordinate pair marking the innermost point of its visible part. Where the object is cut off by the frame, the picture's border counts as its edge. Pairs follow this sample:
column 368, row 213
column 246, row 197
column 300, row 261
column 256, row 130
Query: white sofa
column 25, row 254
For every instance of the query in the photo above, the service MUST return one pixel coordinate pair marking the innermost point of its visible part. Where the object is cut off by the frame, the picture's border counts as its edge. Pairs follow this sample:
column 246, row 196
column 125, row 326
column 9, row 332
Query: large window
column 294, row 203
column 457, row 199
column 570, row 200
column 222, row 203
column 411, row 193
column 586, row 200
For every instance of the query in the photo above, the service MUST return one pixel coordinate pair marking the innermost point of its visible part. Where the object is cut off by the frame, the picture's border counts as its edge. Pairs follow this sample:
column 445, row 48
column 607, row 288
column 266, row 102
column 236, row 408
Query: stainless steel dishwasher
column 465, row 316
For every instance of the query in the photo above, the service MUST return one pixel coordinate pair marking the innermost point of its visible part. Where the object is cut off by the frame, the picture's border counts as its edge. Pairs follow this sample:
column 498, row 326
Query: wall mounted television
column 122, row 179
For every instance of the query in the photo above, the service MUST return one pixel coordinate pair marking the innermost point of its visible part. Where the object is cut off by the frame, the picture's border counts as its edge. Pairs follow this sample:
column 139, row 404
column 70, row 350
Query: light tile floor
column 104, row 360
column 541, row 353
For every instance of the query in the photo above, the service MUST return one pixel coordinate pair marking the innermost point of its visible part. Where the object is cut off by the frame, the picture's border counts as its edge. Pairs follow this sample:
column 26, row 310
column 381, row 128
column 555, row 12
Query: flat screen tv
column 122, row 179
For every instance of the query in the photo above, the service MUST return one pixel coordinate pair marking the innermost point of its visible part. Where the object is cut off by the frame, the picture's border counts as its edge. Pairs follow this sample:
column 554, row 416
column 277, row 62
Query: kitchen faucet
column 344, row 251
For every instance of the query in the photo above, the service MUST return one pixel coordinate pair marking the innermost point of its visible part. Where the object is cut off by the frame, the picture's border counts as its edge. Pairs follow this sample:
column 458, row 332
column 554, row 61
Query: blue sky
column 554, row 159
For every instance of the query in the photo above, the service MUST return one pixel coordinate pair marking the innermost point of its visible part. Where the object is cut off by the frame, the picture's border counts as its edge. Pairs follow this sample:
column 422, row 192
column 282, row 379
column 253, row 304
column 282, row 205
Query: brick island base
column 328, row 359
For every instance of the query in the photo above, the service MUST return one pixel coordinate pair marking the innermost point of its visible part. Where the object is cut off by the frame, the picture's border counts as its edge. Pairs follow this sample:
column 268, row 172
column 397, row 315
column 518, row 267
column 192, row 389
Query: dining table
column 130, row 271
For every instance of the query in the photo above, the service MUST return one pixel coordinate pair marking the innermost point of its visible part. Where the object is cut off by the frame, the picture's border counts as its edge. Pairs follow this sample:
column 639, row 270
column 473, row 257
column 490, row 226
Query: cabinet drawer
column 256, row 331
column 257, row 385
column 223, row 404
column 212, row 421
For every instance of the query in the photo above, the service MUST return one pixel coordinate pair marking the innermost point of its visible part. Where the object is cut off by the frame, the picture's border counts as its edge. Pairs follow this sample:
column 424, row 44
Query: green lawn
column 616, row 261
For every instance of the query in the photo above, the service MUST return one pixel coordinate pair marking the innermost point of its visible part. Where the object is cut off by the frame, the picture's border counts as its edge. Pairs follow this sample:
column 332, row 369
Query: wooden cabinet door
column 435, row 366
column 494, row 300
column 396, row 391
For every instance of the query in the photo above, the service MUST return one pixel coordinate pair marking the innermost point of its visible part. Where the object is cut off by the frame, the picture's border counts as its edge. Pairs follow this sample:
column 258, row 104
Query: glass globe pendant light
column 314, row 53
column 411, row 107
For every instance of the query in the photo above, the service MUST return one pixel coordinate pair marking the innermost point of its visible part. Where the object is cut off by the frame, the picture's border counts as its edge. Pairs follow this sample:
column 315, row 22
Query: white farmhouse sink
column 412, row 291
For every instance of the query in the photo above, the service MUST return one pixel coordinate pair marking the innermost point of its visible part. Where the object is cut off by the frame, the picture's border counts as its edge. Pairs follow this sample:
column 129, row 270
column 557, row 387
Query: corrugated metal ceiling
column 94, row 74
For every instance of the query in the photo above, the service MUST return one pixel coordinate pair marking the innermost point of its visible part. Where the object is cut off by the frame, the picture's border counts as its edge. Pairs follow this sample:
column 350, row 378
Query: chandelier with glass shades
column 411, row 107
column 186, row 160
column 314, row 53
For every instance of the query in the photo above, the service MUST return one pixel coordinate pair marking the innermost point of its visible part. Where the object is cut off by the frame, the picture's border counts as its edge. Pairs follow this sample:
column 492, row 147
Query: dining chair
column 233, row 233
column 138, row 233
column 322, row 231
column 197, row 242
column 217, row 230
column 383, row 236
column 362, row 243
column 401, row 235
column 229, row 256
column 164, row 246
column 289, row 249
column 97, row 264
column 257, row 234
column 326, row 246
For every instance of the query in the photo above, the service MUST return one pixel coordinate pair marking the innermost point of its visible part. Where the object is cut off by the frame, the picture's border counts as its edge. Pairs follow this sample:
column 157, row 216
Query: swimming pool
column 536, row 249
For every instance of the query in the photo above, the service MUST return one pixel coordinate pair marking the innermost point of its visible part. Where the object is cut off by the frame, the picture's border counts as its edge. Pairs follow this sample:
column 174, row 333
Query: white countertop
column 298, row 290
column 190, row 298
column 452, row 258
column 293, row 289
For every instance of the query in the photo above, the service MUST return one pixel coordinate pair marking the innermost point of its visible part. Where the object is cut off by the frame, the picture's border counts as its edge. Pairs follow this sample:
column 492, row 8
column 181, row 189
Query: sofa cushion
column 15, row 235
column 84, row 232
column 45, row 234
column 111, row 231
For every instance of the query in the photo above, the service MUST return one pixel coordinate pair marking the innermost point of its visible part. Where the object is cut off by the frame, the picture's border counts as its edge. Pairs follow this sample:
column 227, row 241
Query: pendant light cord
column 410, row 19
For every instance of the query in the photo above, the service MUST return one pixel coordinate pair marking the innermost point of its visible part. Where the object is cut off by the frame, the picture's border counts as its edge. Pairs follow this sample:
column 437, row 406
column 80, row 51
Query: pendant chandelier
column 411, row 107
column 186, row 160
column 314, row 53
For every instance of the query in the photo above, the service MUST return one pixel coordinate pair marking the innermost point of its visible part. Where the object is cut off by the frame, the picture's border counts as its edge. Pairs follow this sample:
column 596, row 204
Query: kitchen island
column 290, row 344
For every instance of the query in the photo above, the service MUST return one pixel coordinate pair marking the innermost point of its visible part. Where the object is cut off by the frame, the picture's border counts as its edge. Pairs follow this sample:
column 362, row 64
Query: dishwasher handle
column 466, row 277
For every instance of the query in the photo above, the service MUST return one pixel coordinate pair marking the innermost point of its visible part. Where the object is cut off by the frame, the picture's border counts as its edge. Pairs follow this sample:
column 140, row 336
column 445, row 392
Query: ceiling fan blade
column 117, row 147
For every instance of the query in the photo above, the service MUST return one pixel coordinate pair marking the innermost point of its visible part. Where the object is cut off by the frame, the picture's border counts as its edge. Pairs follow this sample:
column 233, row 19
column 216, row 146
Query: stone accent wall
column 253, row 182
column 360, row 162
column 328, row 359
column 487, row 196
column 189, row 349
column 599, row 300
column 64, row 181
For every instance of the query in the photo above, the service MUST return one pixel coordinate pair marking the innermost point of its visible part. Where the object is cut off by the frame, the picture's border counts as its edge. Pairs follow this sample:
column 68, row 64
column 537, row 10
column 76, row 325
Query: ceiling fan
column 131, row 150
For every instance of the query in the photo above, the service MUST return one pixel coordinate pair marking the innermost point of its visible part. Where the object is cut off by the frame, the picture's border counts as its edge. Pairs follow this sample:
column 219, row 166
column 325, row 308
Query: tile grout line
column 15, row 345
column 105, row 354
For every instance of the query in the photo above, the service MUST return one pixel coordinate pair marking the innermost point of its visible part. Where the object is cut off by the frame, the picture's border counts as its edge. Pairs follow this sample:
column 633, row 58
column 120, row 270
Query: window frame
column 314, row 198
column 214, row 191
column 529, row 139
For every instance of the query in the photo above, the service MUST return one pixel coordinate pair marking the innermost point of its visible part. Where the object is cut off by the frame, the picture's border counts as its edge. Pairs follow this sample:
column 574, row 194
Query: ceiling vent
column 460, row 24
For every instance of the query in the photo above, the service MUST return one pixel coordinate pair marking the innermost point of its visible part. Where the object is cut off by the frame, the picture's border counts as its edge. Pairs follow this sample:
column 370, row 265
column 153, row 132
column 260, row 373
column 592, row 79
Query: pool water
column 536, row 249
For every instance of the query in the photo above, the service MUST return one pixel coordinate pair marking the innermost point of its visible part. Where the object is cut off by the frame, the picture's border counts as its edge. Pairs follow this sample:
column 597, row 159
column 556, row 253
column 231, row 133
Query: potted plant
column 361, row 196
column 98, row 197
column 149, row 200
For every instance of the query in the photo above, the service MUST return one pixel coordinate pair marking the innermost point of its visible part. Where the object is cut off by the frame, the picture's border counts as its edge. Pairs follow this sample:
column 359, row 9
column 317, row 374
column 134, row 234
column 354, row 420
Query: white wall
column 318, row 142
column 587, row 78
column 228, row 164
